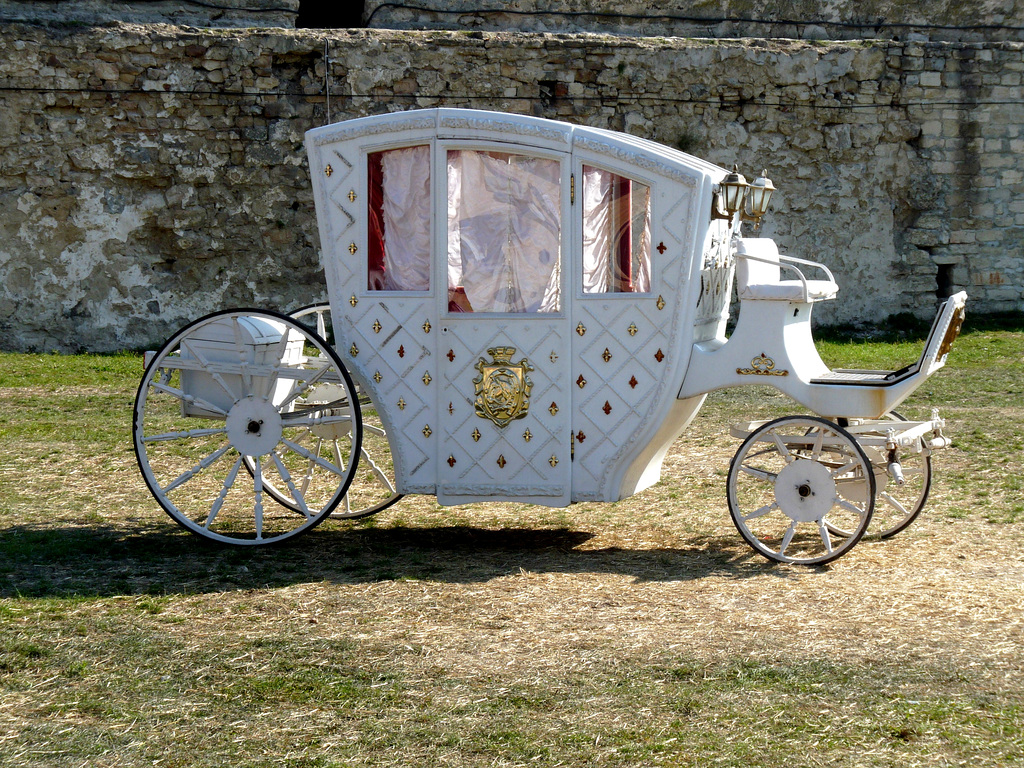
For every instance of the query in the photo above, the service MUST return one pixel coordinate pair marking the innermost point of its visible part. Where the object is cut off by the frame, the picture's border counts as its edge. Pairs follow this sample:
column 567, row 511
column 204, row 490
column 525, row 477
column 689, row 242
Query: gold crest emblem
column 503, row 387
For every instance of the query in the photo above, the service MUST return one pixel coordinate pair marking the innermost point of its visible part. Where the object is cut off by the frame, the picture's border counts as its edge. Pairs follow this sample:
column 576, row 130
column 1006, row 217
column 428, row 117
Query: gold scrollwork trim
column 762, row 365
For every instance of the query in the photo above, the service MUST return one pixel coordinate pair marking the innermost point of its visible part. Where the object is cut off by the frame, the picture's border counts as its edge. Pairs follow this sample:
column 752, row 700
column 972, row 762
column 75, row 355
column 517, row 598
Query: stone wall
column 950, row 20
column 151, row 174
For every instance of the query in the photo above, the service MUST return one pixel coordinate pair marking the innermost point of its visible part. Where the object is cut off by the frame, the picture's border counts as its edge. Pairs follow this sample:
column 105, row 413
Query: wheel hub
column 805, row 490
column 254, row 426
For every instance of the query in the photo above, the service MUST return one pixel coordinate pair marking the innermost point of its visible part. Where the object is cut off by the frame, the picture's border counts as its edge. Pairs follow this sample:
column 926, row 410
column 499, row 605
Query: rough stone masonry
column 149, row 174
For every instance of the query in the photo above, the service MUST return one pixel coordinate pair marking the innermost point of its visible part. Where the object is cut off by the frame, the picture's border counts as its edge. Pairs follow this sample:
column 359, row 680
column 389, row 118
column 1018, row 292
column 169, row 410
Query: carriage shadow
column 98, row 561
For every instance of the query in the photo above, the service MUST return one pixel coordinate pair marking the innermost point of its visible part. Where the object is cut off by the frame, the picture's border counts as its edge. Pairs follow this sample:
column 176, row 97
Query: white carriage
column 523, row 309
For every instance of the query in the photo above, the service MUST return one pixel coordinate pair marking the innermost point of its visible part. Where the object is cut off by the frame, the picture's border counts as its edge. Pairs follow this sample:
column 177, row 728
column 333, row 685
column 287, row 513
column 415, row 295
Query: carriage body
column 542, row 287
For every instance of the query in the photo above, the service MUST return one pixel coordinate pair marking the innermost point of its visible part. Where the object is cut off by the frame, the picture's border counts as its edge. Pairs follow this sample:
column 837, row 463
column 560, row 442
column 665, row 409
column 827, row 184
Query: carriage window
column 616, row 233
column 399, row 220
column 504, row 232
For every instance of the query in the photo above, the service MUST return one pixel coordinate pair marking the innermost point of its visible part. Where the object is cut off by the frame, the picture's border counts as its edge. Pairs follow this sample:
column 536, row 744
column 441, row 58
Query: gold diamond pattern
column 527, row 435
column 426, row 378
column 376, row 326
column 353, row 300
column 401, row 403
column 426, row 326
column 661, row 302
column 581, row 329
column 476, row 435
column 501, row 461
column 553, row 409
column 377, row 377
column 553, row 461
column 328, row 170
column 581, row 382
column 352, row 248
column 353, row 350
column 632, row 330
column 352, row 195
column 606, row 355
column 427, row 432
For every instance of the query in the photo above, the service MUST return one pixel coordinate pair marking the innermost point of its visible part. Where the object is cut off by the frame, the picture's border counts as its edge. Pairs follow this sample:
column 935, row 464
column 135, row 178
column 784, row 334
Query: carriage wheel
column 373, row 487
column 896, row 506
column 233, row 388
column 793, row 479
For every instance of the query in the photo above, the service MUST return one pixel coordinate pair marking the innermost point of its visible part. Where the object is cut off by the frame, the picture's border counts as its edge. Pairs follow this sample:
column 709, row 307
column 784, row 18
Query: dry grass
column 638, row 633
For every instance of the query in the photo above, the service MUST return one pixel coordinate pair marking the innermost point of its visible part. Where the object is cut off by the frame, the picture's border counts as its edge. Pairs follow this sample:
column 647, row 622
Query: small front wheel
column 234, row 389
column 791, row 481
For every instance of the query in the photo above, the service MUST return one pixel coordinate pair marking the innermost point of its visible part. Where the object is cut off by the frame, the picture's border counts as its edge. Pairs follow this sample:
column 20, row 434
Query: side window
column 504, row 232
column 398, row 256
column 616, row 233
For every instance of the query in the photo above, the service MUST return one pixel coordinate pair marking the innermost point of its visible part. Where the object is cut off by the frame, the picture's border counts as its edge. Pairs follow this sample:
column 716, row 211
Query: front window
column 616, row 233
column 504, row 232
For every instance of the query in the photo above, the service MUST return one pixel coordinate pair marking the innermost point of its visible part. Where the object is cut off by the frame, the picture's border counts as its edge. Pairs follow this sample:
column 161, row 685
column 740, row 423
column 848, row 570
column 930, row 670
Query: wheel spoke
column 219, row 501
column 762, row 511
column 296, row 493
column 257, row 484
column 302, row 386
column 376, row 470
column 895, row 504
column 337, row 455
column 760, row 474
column 850, row 507
column 851, row 464
column 819, row 438
column 187, row 434
column 787, row 537
column 825, row 538
column 187, row 475
column 190, row 399
column 295, row 448
column 781, row 447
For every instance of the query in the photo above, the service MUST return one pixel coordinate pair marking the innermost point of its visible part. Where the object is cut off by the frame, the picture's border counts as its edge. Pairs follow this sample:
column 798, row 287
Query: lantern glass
column 760, row 195
column 734, row 188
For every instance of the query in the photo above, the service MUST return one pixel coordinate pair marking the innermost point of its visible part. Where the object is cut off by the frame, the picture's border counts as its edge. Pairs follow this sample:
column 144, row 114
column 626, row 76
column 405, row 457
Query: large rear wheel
column 246, row 388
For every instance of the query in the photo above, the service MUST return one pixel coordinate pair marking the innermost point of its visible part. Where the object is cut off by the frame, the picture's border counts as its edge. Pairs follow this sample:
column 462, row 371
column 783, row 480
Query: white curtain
column 406, row 184
column 601, row 269
column 504, row 231
column 597, row 230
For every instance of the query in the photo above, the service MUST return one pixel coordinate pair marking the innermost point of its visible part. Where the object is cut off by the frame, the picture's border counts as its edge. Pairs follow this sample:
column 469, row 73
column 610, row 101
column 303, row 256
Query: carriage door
column 504, row 339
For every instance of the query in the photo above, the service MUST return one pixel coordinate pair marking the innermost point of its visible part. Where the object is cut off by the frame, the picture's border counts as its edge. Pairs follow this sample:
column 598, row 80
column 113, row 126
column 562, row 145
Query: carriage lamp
column 759, row 194
column 731, row 193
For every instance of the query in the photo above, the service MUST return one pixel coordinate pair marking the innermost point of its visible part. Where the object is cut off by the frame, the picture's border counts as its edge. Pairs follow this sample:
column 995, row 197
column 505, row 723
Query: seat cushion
column 789, row 290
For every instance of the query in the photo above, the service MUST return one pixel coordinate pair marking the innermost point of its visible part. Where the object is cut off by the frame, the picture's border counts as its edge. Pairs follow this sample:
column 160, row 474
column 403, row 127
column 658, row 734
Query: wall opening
column 944, row 279
column 315, row 14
